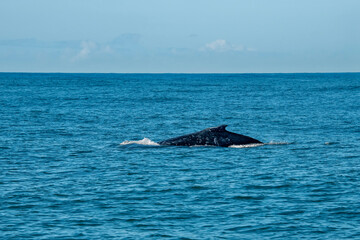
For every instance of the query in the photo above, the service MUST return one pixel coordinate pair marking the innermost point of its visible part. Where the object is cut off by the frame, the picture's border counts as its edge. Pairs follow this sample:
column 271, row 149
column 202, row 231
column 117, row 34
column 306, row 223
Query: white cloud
column 86, row 48
column 218, row 45
column 222, row 45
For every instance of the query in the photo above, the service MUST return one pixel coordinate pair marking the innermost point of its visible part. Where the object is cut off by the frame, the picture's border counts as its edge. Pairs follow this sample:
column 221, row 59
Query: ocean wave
column 145, row 141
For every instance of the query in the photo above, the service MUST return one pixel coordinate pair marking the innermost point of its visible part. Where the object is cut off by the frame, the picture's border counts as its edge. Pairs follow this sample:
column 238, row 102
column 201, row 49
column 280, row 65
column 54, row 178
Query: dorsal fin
column 220, row 128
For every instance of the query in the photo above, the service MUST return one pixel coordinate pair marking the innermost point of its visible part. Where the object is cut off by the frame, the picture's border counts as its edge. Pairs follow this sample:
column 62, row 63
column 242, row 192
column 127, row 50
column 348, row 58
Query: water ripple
column 65, row 176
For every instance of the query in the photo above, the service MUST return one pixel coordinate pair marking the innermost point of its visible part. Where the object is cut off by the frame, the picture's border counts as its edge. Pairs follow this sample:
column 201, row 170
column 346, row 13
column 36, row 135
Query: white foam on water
column 247, row 145
column 145, row 141
column 258, row 144
column 277, row 143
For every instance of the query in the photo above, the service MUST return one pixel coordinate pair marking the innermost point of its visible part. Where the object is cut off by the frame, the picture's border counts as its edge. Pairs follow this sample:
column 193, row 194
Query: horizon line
column 35, row 72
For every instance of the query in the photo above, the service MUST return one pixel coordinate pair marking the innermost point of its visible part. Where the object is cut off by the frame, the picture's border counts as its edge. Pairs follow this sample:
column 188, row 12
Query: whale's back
column 217, row 136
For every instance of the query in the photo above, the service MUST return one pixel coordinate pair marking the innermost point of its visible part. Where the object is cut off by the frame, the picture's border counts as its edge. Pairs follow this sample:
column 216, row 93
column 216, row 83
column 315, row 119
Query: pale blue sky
column 180, row 36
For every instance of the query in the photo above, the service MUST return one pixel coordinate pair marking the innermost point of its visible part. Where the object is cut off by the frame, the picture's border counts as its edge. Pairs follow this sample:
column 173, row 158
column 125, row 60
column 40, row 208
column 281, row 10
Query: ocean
column 79, row 159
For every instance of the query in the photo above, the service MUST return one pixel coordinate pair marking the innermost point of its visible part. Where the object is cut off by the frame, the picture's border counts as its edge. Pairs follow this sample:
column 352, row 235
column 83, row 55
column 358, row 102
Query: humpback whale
column 215, row 136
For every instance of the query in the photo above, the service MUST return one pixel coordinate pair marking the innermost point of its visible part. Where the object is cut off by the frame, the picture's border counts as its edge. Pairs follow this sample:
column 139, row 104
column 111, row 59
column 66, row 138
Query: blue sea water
column 66, row 175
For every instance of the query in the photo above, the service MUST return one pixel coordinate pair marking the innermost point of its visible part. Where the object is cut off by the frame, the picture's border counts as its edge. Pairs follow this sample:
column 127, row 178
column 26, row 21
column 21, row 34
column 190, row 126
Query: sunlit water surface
column 79, row 159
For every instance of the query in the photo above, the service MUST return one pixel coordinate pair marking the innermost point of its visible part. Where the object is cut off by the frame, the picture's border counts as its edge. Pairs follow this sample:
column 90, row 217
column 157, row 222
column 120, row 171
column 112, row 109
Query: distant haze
column 168, row 36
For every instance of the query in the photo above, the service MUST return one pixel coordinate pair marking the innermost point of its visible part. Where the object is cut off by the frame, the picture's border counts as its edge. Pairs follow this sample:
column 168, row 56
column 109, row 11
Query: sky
column 180, row 36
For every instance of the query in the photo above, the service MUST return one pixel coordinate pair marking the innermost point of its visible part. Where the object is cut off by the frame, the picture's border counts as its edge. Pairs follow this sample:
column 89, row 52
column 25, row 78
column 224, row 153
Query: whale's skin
column 215, row 136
